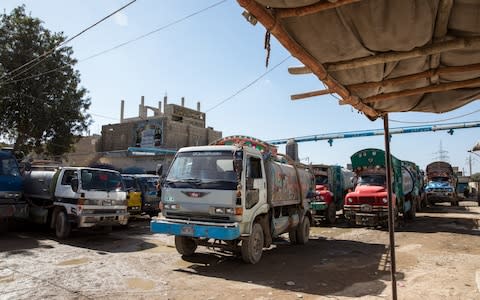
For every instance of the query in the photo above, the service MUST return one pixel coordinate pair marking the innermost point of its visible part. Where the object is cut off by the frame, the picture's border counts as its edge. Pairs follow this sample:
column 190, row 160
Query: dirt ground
column 438, row 257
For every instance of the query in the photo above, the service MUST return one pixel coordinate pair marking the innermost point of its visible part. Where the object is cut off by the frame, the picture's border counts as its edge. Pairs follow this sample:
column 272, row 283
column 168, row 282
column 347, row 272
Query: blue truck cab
column 12, row 203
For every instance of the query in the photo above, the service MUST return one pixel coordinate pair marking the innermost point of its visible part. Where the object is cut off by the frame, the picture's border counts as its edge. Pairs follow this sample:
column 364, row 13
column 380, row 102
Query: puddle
column 139, row 283
column 72, row 262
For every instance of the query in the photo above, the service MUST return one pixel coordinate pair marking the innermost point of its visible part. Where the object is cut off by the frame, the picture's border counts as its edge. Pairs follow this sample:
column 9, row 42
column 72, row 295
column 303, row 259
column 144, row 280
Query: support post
column 391, row 221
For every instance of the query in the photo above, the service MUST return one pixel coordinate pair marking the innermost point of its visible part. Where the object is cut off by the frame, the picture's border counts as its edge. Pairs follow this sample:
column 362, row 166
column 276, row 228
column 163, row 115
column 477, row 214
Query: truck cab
column 12, row 203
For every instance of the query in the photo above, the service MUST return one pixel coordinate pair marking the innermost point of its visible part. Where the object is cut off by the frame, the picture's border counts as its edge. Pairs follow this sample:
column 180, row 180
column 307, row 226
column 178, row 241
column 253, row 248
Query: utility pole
column 470, row 164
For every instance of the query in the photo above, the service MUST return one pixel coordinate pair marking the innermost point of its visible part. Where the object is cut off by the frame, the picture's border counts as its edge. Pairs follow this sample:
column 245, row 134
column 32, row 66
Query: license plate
column 187, row 230
column 366, row 207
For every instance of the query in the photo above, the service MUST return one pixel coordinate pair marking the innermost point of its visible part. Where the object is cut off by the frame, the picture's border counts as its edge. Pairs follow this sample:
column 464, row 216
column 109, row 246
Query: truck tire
column 62, row 225
column 252, row 247
column 410, row 215
column 331, row 214
column 303, row 231
column 185, row 245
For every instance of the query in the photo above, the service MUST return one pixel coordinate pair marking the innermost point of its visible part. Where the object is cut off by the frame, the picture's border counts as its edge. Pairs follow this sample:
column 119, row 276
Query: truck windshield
column 149, row 184
column 99, row 180
column 203, row 170
column 9, row 167
column 440, row 179
column 375, row 180
column 321, row 179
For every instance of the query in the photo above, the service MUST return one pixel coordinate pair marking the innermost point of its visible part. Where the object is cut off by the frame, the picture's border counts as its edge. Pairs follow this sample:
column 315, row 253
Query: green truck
column 368, row 203
column 332, row 183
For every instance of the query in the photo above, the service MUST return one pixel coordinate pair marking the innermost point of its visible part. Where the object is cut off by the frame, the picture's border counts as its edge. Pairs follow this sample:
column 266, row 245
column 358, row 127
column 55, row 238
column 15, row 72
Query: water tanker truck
column 75, row 197
column 237, row 195
column 331, row 185
column 368, row 203
column 441, row 183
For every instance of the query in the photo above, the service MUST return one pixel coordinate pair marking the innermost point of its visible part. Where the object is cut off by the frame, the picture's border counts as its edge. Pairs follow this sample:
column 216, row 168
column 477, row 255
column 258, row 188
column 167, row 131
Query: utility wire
column 42, row 57
column 436, row 121
column 124, row 43
column 248, row 85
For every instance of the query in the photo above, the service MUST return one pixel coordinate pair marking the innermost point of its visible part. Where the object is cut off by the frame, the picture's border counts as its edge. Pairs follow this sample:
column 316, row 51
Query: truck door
column 255, row 186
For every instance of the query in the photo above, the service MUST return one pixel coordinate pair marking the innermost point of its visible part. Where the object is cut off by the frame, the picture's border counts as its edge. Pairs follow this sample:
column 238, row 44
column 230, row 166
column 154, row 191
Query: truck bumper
column 90, row 220
column 366, row 215
column 219, row 231
column 13, row 210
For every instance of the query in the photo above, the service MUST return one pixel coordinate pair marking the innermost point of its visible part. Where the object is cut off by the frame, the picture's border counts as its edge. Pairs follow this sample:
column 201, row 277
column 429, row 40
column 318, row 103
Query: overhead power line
column 248, row 85
column 124, row 43
column 23, row 68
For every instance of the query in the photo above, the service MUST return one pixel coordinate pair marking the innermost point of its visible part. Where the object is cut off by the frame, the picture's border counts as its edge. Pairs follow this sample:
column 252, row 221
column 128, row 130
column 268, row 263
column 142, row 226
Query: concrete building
column 146, row 141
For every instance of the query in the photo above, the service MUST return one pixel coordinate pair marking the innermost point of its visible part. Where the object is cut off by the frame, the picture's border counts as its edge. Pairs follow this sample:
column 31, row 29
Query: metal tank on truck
column 236, row 194
column 441, row 183
column 12, row 204
column 79, row 197
column 332, row 183
column 368, row 203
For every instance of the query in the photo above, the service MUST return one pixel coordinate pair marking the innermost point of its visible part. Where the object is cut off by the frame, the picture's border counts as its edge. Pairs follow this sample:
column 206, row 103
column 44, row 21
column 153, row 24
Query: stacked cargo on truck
column 237, row 194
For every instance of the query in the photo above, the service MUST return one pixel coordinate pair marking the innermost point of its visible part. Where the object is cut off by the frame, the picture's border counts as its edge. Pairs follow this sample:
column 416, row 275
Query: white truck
column 79, row 197
column 236, row 195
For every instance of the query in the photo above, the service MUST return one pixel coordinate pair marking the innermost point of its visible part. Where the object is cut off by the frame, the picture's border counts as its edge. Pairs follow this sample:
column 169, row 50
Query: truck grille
column 366, row 200
column 185, row 216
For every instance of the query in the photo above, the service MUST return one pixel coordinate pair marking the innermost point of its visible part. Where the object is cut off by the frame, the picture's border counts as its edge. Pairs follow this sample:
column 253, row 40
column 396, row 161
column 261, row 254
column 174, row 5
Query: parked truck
column 75, row 197
column 236, row 194
column 368, row 203
column 12, row 204
column 332, row 183
column 441, row 183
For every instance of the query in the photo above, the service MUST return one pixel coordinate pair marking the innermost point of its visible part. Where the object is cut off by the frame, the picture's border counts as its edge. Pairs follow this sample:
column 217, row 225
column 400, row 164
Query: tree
column 44, row 109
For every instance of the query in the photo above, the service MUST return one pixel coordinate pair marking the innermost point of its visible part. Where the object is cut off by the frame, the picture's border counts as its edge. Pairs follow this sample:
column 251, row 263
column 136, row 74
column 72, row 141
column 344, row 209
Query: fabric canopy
column 382, row 56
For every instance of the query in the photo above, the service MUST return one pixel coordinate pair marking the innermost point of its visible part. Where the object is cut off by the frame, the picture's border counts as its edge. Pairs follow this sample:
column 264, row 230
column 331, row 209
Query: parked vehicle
column 134, row 194
column 463, row 190
column 441, row 183
column 417, row 194
column 236, row 195
column 143, row 195
column 368, row 204
column 332, row 183
column 75, row 197
column 12, row 203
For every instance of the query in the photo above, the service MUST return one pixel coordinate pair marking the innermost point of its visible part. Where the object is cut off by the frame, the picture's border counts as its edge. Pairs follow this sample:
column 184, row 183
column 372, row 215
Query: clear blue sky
column 211, row 56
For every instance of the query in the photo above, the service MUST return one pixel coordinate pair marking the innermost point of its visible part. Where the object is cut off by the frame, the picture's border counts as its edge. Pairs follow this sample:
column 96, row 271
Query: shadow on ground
column 321, row 267
column 24, row 236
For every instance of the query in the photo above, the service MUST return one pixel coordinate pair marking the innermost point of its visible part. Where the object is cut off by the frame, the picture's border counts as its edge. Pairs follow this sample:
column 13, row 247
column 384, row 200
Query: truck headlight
column 171, row 206
column 385, row 200
column 349, row 200
column 219, row 210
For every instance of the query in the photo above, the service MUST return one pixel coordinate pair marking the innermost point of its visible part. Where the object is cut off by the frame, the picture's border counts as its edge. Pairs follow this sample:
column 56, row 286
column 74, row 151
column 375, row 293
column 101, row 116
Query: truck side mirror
column 74, row 184
column 159, row 169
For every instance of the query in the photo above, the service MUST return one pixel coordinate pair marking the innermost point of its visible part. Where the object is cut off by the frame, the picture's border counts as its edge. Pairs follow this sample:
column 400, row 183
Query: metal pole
column 391, row 220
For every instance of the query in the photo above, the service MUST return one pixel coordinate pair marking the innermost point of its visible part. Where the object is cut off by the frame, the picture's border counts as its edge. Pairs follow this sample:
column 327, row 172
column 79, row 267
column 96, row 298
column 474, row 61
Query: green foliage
column 475, row 177
column 45, row 113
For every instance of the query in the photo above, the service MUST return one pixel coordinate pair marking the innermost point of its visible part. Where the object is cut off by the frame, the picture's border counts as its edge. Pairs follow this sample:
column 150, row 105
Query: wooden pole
column 272, row 25
column 391, row 217
column 443, row 87
column 381, row 58
column 311, row 9
column 310, row 94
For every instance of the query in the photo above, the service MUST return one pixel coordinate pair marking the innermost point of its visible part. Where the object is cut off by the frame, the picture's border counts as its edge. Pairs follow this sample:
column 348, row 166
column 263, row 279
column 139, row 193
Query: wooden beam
column 272, row 25
column 311, row 9
column 413, row 77
column 311, row 94
column 460, row 43
column 302, row 70
column 443, row 87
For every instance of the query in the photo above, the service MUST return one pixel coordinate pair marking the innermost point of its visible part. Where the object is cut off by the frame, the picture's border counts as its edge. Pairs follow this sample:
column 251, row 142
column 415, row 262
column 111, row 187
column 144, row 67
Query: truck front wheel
column 252, row 246
column 62, row 226
column 331, row 213
column 303, row 231
column 185, row 245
